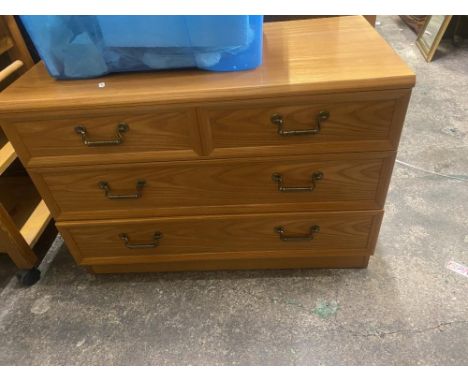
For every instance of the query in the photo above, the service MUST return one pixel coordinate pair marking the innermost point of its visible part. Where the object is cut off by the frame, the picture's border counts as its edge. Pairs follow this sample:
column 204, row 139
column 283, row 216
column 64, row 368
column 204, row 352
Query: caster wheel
column 29, row 277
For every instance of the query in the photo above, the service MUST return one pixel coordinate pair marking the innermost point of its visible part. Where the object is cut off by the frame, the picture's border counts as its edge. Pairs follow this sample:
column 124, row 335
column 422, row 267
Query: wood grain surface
column 172, row 134
column 206, row 147
column 350, row 182
column 253, row 261
column 211, row 237
column 306, row 56
column 362, row 121
column 7, row 153
column 366, row 121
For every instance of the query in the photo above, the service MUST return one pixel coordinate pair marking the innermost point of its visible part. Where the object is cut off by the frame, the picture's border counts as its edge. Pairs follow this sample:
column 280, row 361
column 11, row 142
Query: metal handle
column 109, row 195
column 155, row 243
column 121, row 128
column 278, row 178
column 278, row 120
column 310, row 236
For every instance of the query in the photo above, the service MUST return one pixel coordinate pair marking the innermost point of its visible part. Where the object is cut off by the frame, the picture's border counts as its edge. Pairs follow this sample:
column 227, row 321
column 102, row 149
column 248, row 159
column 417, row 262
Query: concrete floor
column 405, row 309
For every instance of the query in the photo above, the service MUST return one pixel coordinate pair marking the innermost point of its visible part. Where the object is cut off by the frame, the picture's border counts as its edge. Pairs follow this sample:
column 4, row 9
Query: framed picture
column 430, row 35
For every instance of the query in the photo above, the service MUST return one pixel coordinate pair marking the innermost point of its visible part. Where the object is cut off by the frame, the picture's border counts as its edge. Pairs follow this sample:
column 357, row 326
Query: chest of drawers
column 280, row 167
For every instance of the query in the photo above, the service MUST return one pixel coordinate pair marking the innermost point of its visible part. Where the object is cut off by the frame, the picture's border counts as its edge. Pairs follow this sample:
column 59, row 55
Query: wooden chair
column 26, row 229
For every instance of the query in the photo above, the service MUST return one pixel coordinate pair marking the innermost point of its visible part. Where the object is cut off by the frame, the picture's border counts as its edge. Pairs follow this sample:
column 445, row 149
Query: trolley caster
column 29, row 277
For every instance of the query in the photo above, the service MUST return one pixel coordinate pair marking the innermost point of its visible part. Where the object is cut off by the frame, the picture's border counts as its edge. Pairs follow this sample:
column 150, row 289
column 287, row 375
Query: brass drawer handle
column 155, row 243
column 109, row 195
column 310, row 236
column 121, row 128
column 278, row 120
column 278, row 178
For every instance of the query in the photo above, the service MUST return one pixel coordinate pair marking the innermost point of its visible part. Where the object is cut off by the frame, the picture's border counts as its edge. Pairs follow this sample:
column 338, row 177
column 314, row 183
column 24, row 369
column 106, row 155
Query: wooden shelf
column 26, row 208
column 26, row 226
column 33, row 228
column 7, row 153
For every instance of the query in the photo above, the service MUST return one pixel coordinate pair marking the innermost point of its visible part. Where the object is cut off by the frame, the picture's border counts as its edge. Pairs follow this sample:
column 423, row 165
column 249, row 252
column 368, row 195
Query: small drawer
column 335, row 123
column 231, row 236
column 326, row 182
column 116, row 138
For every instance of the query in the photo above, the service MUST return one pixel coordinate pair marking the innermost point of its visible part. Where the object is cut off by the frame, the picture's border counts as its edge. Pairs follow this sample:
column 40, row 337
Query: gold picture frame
column 430, row 35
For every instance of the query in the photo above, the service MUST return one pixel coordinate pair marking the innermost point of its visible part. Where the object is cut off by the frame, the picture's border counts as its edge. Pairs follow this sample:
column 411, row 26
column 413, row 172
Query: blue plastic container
column 92, row 46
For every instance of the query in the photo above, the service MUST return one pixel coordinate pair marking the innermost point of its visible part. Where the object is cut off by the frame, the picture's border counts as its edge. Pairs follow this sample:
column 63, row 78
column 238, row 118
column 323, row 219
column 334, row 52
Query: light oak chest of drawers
column 280, row 167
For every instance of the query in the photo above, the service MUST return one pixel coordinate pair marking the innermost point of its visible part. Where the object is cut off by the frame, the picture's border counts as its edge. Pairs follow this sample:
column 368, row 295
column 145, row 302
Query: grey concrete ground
column 405, row 309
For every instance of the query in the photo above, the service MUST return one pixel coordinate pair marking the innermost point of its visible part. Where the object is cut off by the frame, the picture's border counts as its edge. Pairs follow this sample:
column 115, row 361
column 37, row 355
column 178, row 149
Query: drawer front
column 341, row 182
column 176, row 239
column 107, row 139
column 340, row 123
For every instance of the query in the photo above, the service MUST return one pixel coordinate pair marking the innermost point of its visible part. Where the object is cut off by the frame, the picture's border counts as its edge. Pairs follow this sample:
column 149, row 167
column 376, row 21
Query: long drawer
column 115, row 137
column 368, row 121
column 327, row 182
column 140, row 241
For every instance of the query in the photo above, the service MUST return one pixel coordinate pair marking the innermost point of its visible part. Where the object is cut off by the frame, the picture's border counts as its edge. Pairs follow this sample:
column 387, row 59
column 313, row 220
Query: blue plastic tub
column 91, row 46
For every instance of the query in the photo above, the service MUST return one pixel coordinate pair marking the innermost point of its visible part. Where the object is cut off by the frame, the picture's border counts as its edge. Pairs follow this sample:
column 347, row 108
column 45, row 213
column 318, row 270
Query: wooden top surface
column 305, row 56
